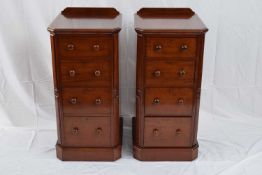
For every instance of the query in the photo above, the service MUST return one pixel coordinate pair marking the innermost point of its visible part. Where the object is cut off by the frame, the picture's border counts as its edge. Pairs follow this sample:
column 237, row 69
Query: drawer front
column 84, row 46
column 169, row 73
column 90, row 74
column 168, row 101
column 86, row 131
column 87, row 101
column 167, row 132
column 170, row 47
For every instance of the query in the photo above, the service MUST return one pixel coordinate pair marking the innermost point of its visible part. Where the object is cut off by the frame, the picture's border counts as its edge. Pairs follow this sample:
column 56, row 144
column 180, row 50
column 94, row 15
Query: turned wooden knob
column 179, row 132
column 180, row 101
column 70, row 47
column 184, row 47
column 158, row 47
column 156, row 101
column 56, row 93
column 73, row 101
column 97, row 73
column 72, row 73
column 96, row 47
column 182, row 73
column 75, row 131
column 155, row 132
column 157, row 73
column 98, row 101
column 99, row 131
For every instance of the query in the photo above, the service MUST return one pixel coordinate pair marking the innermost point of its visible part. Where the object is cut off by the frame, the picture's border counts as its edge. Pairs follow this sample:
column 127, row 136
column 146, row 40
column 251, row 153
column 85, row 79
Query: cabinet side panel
column 115, row 119
column 201, row 40
column 55, row 66
column 139, row 122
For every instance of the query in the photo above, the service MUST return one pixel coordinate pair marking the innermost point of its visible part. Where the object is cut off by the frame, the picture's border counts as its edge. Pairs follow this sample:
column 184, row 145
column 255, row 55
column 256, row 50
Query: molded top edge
column 177, row 13
column 168, row 20
column 87, row 20
column 90, row 12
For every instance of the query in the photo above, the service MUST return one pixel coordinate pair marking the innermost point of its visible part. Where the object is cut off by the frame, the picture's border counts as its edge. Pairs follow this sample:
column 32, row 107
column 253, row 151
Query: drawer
column 87, row 101
column 169, row 73
column 79, row 46
column 91, row 74
column 167, row 132
column 168, row 101
column 86, row 131
column 170, row 47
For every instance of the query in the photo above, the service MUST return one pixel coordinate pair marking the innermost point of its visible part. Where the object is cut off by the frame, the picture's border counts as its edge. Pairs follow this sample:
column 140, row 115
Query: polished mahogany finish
column 170, row 45
column 86, row 81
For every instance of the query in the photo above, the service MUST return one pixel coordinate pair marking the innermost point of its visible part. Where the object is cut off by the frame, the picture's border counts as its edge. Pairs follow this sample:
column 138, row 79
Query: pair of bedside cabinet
column 170, row 44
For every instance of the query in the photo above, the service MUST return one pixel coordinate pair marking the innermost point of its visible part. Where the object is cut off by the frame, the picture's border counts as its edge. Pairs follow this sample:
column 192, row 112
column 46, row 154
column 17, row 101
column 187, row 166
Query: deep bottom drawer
column 86, row 131
column 167, row 132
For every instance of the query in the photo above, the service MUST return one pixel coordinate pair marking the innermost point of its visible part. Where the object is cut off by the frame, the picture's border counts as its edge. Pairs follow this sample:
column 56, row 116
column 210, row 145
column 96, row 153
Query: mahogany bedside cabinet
column 86, row 81
column 170, row 44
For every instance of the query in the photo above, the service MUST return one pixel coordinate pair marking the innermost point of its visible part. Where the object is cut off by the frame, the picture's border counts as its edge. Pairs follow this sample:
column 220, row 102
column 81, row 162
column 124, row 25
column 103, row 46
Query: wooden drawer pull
column 158, row 47
column 73, row 101
column 70, row 47
column 180, row 101
column 98, row 101
column 97, row 73
column 96, row 47
column 182, row 73
column 155, row 132
column 156, row 101
column 75, row 131
column 99, row 131
column 179, row 132
column 157, row 73
column 72, row 73
column 184, row 47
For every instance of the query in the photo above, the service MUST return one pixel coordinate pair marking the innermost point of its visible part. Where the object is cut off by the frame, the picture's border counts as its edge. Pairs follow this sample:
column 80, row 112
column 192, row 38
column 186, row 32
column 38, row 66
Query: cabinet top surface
column 168, row 19
column 86, row 19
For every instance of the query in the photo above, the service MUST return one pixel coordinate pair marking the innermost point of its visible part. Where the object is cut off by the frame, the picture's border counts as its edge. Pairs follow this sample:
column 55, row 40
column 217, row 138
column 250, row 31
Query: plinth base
column 88, row 154
column 165, row 154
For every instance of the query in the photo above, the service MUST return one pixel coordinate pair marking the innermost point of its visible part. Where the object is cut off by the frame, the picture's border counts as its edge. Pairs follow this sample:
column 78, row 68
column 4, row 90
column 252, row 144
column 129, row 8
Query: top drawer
column 84, row 46
column 170, row 47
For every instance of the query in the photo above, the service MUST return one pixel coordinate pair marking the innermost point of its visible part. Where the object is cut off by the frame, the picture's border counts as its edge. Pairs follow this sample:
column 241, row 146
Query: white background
column 230, row 132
